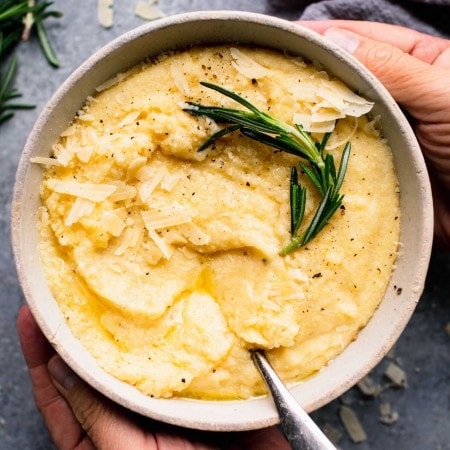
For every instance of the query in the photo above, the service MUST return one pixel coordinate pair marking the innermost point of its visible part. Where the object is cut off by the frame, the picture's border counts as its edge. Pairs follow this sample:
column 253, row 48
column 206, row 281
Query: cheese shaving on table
column 105, row 13
column 148, row 10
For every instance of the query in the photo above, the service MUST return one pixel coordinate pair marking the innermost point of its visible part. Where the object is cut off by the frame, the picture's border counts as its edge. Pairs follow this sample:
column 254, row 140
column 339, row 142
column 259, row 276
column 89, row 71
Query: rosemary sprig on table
column 319, row 167
column 17, row 20
column 7, row 93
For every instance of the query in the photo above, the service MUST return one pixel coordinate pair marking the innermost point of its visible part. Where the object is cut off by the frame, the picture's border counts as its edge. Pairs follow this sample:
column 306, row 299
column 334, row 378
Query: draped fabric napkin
column 427, row 16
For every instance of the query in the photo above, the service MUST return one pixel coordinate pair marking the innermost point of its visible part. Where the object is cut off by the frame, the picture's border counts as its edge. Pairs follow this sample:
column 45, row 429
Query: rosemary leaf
column 314, row 176
column 342, row 167
column 279, row 142
column 323, row 143
column 17, row 19
column 231, row 95
column 218, row 135
column 6, row 80
column 7, row 93
column 312, row 229
column 46, row 45
column 297, row 202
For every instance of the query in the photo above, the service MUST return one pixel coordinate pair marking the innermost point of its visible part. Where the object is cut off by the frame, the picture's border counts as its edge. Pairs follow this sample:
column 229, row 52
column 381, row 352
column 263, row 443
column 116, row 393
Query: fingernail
column 345, row 39
column 62, row 373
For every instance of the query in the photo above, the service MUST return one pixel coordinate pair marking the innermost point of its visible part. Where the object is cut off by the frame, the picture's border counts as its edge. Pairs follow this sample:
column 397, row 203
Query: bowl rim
column 258, row 412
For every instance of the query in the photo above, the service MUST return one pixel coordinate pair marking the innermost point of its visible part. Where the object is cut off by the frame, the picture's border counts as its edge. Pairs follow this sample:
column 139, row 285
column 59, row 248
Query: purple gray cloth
column 427, row 16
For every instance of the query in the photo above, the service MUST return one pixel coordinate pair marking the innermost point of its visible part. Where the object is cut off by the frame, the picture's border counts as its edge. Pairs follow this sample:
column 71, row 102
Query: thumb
column 412, row 82
column 100, row 419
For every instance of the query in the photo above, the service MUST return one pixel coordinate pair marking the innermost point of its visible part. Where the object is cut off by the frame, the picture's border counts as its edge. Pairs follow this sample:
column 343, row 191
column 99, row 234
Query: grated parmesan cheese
column 194, row 234
column 95, row 192
column 152, row 253
column 323, row 112
column 169, row 181
column 324, row 101
column 135, row 166
column 146, row 188
column 148, row 10
column 105, row 13
column 248, row 66
column 129, row 118
column 85, row 117
column 176, row 71
column 69, row 131
column 112, row 81
column 165, row 218
column 166, row 249
column 130, row 239
column 304, row 92
column 84, row 154
column 112, row 223
column 45, row 160
column 80, row 208
column 335, row 142
column 63, row 154
column 147, row 173
column 172, row 237
column 123, row 191
column 313, row 127
column 374, row 126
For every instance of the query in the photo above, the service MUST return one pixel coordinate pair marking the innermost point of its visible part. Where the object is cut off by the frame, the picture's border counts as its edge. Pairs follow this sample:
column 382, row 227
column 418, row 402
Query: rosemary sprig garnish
column 17, row 19
column 317, row 165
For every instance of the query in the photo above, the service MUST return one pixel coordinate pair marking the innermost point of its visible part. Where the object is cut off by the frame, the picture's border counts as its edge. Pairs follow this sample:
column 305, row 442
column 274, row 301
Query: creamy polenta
column 165, row 261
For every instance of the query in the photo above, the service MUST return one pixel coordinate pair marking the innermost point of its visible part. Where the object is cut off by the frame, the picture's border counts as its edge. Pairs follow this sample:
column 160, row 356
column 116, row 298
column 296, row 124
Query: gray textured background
column 422, row 351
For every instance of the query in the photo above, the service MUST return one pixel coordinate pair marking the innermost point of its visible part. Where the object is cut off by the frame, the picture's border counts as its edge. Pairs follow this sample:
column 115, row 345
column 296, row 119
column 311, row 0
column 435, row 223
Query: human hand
column 78, row 417
column 415, row 69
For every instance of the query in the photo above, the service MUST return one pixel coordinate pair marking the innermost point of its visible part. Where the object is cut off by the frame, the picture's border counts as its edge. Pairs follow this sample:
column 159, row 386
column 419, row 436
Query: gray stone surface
column 422, row 351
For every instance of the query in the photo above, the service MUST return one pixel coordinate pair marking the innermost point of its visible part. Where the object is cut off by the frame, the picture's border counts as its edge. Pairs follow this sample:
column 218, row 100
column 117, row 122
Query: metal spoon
column 299, row 429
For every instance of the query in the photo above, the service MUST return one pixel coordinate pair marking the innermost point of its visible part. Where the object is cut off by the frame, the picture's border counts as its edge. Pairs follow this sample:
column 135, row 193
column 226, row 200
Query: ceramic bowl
column 180, row 31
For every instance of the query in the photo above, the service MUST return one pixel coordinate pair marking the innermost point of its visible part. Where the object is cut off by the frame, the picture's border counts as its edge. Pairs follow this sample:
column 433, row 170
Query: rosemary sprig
column 17, row 19
column 317, row 165
column 7, row 93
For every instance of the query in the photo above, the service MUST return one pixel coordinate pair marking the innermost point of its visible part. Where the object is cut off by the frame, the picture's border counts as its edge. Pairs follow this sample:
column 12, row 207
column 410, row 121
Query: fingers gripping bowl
column 227, row 28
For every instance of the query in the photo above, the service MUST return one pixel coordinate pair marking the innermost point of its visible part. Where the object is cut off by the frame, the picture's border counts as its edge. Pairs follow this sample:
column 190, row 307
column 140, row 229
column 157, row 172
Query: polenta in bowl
column 217, row 195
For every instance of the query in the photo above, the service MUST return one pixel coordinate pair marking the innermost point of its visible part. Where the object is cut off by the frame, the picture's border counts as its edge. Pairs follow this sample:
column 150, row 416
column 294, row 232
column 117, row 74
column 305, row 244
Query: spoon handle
column 299, row 429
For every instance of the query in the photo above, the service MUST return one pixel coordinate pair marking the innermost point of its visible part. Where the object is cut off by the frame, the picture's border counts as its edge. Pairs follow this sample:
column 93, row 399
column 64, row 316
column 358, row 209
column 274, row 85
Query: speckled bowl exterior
column 182, row 31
